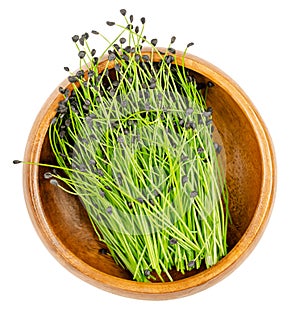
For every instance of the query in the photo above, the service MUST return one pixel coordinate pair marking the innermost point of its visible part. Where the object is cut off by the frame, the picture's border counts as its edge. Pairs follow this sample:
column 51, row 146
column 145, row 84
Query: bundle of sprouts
column 134, row 140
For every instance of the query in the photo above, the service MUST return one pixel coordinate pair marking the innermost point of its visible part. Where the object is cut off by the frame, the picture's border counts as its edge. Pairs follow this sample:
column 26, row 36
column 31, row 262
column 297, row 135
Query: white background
column 257, row 43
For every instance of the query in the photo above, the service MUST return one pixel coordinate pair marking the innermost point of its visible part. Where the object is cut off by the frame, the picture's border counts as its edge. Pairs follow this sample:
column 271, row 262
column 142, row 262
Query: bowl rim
column 166, row 290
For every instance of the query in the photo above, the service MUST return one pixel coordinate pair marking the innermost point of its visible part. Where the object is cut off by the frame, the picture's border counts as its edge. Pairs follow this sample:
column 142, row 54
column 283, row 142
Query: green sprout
column 134, row 141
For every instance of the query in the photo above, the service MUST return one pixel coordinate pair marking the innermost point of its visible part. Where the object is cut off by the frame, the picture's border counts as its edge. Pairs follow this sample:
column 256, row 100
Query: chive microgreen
column 134, row 142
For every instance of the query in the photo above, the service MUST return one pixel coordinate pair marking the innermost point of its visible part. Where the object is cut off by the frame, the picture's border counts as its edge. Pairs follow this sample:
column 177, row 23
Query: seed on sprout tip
column 189, row 111
column 48, row 175
column 120, row 139
column 66, row 69
column 72, row 79
column 200, row 150
column 140, row 199
column 147, row 272
column 95, row 32
column 210, row 84
column 116, row 47
column 137, row 57
column 218, row 148
column 110, row 23
column 191, row 263
column 173, row 39
column 91, row 73
column 189, row 44
column 111, row 56
column 154, row 42
column 131, row 18
column 53, row 182
column 109, row 210
column 62, row 133
column 81, row 41
column 147, row 105
column 16, row 161
column 122, row 40
column 194, row 194
column 146, row 58
column 137, row 29
column 53, row 121
column 169, row 59
column 75, row 38
column 207, row 113
column 123, row 12
column 155, row 193
column 184, row 179
column 127, row 49
column 190, row 78
column 61, row 90
column 152, row 85
column 143, row 20
column 80, row 73
column 100, row 172
column 172, row 50
column 85, row 35
column 81, row 54
column 173, row 241
column 184, row 158
column 103, row 251
column 93, row 52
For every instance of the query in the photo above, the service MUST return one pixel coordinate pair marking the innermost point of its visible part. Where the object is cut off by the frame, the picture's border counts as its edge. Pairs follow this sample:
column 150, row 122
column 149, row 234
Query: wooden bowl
column 63, row 225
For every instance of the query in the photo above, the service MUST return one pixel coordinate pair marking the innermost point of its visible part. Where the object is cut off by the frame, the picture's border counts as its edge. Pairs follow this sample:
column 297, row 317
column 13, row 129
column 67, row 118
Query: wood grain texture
column 63, row 225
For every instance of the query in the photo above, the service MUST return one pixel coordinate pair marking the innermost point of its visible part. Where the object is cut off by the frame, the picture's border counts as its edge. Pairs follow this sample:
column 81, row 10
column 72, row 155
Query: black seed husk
column 48, row 175
column 191, row 263
column 184, row 179
column 122, row 40
column 193, row 194
column 103, row 251
column 111, row 56
column 81, row 54
column 110, row 23
column 75, row 38
column 173, row 241
column 189, row 111
column 53, row 182
column 72, row 79
column 154, row 42
column 147, row 272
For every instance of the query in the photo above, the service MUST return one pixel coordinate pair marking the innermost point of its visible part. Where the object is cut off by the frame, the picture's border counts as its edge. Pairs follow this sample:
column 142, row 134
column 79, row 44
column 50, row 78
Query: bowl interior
column 69, row 222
